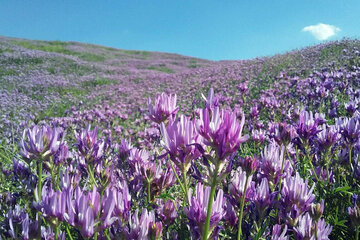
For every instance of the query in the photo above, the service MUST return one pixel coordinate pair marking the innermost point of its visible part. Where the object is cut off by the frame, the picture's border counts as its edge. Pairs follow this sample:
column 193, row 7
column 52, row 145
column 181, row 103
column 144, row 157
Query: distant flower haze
column 321, row 31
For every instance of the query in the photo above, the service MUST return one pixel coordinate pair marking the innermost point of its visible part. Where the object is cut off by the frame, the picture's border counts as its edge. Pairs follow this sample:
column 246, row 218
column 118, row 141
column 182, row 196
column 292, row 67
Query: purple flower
column 296, row 197
column 349, row 129
column 197, row 210
column 155, row 230
column 222, row 132
column 243, row 88
column 122, row 199
column 20, row 169
column 283, row 133
column 307, row 126
column 108, row 216
column 138, row 228
column 296, row 191
column 40, row 142
column 230, row 216
column 136, row 159
column 277, row 234
column 316, row 210
column 211, row 102
column 350, row 107
column 354, row 211
column 307, row 228
column 262, row 197
column 328, row 137
column 258, row 136
column 237, row 185
column 270, row 163
column 167, row 211
column 164, row 109
column 254, row 111
column 180, row 138
column 91, row 148
column 124, row 149
column 62, row 154
column 249, row 164
column 163, row 179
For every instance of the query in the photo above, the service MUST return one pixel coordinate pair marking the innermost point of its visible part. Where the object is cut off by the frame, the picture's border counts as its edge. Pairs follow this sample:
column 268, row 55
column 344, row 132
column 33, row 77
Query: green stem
column 98, row 215
column 242, row 209
column 351, row 147
column 40, row 167
column 281, row 173
column 92, row 177
column 107, row 234
column 327, row 173
column 58, row 178
column 310, row 162
column 327, row 166
column 68, row 232
column 357, row 233
column 185, row 185
column 290, row 160
column 211, row 199
column 56, row 232
column 149, row 191
column 313, row 170
column 178, row 179
column 357, row 162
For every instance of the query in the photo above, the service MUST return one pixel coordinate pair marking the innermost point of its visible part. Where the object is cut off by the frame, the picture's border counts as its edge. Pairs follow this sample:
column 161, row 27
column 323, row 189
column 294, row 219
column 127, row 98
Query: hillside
column 92, row 136
column 42, row 79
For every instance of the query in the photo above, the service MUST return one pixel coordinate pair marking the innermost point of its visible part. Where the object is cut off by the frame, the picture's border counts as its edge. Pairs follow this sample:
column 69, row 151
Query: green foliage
column 69, row 66
column 6, row 72
column 54, row 110
column 59, row 47
column 161, row 68
column 98, row 81
column 21, row 61
column 137, row 80
column 134, row 52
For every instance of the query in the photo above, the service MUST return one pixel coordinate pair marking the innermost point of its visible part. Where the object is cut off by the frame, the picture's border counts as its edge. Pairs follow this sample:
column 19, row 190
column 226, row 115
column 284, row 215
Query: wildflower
column 91, row 148
column 164, row 109
column 349, row 129
column 354, row 211
column 222, row 132
column 270, row 163
column 328, row 137
column 180, row 139
column 124, row 149
column 249, row 164
column 211, row 102
column 237, row 185
column 316, row 210
column 138, row 228
column 283, row 133
column 307, row 126
column 167, row 211
column 309, row 229
column 197, row 211
column 296, row 198
column 277, row 234
column 230, row 216
column 40, row 142
column 262, row 197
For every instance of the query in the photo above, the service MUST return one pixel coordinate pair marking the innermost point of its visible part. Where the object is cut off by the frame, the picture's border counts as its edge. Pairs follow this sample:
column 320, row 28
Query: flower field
column 103, row 143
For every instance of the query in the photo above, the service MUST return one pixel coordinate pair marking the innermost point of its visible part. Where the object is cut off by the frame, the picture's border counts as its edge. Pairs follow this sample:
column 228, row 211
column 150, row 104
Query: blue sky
column 226, row 29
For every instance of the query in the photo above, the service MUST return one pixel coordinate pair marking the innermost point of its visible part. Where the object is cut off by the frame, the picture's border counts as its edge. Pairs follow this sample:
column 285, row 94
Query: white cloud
column 322, row 31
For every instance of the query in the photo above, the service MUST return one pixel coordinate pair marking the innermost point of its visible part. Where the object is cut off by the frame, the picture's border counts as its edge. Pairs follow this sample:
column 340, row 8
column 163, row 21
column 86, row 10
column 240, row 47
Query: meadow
column 104, row 143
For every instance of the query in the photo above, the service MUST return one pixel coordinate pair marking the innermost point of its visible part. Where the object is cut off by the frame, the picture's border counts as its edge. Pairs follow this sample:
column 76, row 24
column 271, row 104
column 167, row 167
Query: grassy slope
column 87, row 67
